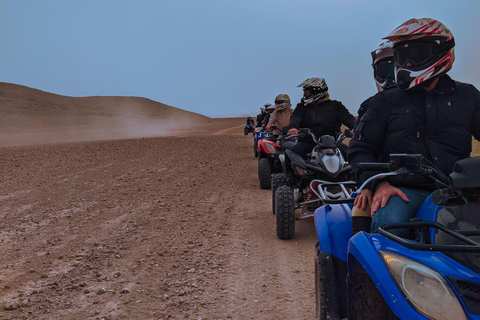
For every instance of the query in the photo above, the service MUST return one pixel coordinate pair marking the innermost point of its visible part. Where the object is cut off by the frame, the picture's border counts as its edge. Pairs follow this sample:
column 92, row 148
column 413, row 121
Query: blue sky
column 215, row 57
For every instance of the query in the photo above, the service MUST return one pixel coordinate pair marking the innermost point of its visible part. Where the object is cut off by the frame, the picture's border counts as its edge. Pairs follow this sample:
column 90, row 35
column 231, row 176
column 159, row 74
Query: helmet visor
column 384, row 69
column 280, row 101
column 413, row 54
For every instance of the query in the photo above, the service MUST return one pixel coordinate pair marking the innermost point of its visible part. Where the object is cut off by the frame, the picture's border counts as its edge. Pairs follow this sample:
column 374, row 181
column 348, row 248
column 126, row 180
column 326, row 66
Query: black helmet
column 384, row 66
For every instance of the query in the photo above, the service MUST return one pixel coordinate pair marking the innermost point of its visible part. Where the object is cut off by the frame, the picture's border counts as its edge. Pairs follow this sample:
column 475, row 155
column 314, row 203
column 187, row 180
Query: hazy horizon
column 216, row 58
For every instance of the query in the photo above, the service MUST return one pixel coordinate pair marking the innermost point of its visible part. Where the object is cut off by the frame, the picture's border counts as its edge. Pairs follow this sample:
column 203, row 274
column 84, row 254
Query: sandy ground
column 172, row 227
column 150, row 228
column 138, row 226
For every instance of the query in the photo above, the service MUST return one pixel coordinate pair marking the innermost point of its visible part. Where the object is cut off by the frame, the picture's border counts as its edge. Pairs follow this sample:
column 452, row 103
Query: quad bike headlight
column 426, row 290
column 331, row 163
column 270, row 148
column 301, row 171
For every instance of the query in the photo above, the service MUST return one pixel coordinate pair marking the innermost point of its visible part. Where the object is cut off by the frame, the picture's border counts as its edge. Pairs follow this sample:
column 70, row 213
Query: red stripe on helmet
column 419, row 30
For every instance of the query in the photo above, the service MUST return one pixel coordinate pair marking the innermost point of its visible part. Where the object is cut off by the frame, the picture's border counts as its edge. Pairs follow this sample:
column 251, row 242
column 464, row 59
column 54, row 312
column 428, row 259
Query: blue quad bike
column 433, row 275
column 248, row 128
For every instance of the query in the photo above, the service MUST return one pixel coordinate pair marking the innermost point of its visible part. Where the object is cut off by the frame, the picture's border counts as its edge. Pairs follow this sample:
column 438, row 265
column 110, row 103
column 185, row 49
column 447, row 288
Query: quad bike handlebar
column 400, row 164
column 305, row 132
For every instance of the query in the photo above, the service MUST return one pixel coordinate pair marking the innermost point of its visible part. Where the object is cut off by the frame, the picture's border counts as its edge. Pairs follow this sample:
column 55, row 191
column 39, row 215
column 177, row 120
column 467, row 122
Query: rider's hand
column 383, row 193
column 268, row 127
column 293, row 131
column 363, row 200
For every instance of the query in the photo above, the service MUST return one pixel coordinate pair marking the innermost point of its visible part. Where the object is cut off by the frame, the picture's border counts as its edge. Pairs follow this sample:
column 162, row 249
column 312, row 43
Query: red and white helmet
column 423, row 50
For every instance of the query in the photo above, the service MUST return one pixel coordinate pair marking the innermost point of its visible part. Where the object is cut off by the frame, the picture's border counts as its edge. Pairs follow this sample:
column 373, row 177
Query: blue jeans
column 397, row 210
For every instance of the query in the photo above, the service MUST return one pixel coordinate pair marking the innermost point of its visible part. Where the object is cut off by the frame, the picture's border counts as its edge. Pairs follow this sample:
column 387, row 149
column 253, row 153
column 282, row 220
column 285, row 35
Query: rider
column 429, row 114
column 281, row 116
column 319, row 113
column 384, row 75
column 268, row 113
column 262, row 114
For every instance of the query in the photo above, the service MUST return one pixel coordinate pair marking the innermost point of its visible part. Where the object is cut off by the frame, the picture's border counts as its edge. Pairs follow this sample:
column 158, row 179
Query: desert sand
column 124, row 208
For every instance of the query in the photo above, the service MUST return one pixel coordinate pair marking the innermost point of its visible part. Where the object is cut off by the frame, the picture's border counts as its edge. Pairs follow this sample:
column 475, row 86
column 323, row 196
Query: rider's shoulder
column 386, row 98
column 336, row 103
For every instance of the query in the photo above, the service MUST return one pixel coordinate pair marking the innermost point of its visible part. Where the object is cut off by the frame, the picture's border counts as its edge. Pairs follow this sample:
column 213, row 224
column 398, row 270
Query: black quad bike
column 295, row 187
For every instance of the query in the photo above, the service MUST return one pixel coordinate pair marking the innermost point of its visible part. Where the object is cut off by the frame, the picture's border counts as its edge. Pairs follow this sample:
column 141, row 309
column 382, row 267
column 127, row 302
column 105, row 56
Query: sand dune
column 29, row 116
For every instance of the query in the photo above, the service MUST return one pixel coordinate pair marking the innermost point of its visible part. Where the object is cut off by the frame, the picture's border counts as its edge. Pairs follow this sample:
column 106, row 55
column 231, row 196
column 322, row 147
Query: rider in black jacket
column 317, row 112
column 384, row 76
column 429, row 114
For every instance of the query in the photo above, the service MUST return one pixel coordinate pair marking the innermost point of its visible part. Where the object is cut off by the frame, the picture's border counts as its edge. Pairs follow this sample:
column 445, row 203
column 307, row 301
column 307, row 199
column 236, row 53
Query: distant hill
column 33, row 115
column 17, row 100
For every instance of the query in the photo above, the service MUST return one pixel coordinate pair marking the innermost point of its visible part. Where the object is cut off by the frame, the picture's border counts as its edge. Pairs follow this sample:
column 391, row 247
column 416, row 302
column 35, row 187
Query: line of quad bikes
column 435, row 274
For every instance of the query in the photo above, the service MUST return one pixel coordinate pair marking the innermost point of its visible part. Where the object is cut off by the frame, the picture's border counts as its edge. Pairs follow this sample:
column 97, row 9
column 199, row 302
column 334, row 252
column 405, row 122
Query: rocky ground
column 152, row 228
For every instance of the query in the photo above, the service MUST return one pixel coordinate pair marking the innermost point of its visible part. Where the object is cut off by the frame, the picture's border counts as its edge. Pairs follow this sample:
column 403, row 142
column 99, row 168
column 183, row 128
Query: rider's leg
column 303, row 148
column 397, row 210
column 361, row 220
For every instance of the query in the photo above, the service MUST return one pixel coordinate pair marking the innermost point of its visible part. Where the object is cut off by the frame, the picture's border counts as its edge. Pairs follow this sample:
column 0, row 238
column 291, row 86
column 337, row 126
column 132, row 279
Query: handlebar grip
column 373, row 166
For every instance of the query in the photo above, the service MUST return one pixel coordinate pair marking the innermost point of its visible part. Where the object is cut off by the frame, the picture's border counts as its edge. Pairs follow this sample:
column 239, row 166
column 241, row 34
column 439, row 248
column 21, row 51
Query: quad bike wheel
column 285, row 212
column 320, row 310
column 330, row 286
column 255, row 148
column 277, row 181
column 264, row 173
column 245, row 131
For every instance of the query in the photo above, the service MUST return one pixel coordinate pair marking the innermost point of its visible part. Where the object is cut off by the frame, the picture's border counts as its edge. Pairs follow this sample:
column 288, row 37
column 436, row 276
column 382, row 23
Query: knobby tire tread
column 264, row 173
column 285, row 213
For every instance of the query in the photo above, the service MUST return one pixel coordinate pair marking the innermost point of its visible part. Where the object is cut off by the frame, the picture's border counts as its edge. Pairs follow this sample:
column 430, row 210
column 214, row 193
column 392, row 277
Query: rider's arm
column 297, row 116
column 368, row 140
column 476, row 115
column 346, row 117
column 273, row 119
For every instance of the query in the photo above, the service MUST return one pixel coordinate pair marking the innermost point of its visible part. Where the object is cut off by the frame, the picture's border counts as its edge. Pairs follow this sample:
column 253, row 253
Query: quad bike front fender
column 363, row 252
column 333, row 224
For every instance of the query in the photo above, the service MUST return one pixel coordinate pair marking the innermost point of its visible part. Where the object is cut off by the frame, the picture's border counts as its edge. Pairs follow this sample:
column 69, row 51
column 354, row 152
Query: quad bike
column 293, row 188
column 249, row 126
column 434, row 275
column 260, row 133
column 247, row 129
column 269, row 150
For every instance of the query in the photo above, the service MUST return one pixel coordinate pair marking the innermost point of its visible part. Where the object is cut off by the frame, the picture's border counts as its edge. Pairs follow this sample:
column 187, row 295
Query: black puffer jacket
column 325, row 117
column 438, row 124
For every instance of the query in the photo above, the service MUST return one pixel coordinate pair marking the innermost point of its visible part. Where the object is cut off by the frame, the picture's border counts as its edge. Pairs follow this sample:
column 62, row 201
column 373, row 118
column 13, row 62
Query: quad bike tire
column 264, row 173
column 330, row 286
column 255, row 148
column 364, row 298
column 284, row 213
column 245, row 132
column 320, row 294
column 277, row 181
